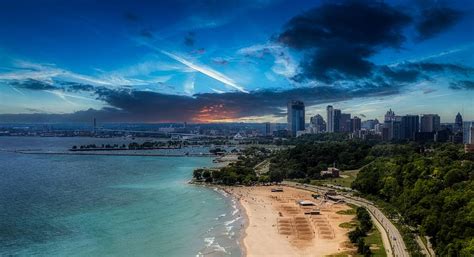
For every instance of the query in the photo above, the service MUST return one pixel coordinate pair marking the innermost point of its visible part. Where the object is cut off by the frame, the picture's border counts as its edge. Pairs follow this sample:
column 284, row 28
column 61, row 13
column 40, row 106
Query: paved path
column 391, row 237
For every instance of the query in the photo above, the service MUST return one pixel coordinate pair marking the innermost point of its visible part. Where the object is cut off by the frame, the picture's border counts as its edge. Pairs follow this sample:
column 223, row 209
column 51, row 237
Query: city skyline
column 233, row 61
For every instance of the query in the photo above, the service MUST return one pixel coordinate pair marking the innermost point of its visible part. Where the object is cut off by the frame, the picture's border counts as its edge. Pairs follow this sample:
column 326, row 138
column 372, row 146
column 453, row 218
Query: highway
column 391, row 237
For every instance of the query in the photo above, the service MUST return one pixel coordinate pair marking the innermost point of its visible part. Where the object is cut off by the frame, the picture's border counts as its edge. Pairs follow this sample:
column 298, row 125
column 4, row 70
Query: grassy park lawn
column 345, row 179
column 373, row 238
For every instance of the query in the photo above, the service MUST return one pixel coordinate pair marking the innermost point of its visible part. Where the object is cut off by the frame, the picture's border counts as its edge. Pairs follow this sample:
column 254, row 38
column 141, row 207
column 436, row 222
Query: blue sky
column 204, row 61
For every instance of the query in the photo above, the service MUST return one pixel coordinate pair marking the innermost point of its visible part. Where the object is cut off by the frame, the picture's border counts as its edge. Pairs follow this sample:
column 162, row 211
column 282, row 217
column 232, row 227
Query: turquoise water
column 69, row 205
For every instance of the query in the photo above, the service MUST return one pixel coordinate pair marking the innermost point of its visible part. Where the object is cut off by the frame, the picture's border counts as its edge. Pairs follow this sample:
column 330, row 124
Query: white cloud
column 217, row 91
column 189, row 85
column 48, row 73
column 284, row 64
column 206, row 71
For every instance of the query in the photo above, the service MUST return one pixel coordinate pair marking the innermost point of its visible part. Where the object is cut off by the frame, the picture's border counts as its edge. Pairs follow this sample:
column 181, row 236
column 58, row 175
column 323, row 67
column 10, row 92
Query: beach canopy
column 306, row 203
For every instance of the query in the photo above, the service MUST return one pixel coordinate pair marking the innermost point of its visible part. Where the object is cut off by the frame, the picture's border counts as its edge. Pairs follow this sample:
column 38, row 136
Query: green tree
column 197, row 174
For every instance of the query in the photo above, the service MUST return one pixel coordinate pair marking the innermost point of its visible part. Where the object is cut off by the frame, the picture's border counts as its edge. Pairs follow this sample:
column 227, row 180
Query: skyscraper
column 345, row 122
column 467, row 131
column 410, row 126
column 295, row 117
column 430, row 123
column 355, row 124
column 330, row 119
column 389, row 116
column 471, row 136
column 317, row 124
column 268, row 129
column 337, row 120
column 458, row 123
column 392, row 126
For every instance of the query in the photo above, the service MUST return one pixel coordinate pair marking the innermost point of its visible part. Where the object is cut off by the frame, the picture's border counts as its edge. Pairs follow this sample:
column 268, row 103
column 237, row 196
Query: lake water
column 72, row 205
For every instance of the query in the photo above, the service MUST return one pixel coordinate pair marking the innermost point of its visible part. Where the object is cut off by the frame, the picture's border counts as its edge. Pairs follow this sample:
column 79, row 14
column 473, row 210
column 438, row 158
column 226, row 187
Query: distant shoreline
column 113, row 154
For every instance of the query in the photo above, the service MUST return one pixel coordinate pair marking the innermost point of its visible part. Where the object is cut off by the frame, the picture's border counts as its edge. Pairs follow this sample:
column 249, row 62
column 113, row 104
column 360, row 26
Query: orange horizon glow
column 215, row 113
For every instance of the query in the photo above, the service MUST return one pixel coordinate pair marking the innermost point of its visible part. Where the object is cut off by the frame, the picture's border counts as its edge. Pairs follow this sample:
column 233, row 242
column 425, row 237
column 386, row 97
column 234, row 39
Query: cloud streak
column 206, row 71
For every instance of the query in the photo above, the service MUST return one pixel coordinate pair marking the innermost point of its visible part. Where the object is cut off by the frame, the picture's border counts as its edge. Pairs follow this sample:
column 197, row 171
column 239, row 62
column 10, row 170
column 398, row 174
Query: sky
column 233, row 61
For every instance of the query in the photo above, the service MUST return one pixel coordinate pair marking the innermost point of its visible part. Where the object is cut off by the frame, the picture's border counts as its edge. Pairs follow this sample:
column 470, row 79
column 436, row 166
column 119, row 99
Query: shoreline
column 242, row 216
column 260, row 236
column 114, row 154
column 245, row 219
column 263, row 215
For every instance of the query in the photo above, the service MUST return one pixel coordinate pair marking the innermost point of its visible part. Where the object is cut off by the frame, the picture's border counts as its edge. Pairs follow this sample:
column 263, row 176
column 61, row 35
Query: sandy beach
column 277, row 225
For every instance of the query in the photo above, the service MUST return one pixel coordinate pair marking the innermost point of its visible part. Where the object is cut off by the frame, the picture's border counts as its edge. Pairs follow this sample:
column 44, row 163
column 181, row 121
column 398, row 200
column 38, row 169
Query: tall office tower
column 471, row 135
column 458, row 123
column 392, row 124
column 345, row 122
column 295, row 117
column 330, row 119
column 389, row 116
column 317, row 124
column 396, row 132
column 337, row 120
column 355, row 124
column 430, row 123
column 410, row 126
column 467, row 131
column 268, row 129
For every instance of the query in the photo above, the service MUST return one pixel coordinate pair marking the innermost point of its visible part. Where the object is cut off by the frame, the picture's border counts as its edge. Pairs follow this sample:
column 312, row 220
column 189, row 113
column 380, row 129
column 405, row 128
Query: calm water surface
column 71, row 205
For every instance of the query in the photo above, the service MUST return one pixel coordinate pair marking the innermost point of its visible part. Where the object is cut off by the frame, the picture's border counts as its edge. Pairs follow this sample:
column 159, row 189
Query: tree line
column 432, row 187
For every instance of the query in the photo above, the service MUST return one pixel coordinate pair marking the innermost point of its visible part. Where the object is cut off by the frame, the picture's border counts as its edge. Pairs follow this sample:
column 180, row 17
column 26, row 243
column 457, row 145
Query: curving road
column 391, row 237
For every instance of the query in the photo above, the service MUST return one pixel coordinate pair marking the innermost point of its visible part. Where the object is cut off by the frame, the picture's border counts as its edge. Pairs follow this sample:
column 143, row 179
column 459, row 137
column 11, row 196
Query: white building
column 467, row 133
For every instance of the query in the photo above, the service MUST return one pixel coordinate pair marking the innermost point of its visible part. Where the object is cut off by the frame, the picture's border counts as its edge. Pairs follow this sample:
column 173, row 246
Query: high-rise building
column 396, row 128
column 355, row 124
column 295, row 117
column 337, row 120
column 268, row 129
column 467, row 132
column 430, row 123
column 471, row 136
column 410, row 126
column 345, row 122
column 458, row 123
column 317, row 124
column 389, row 116
column 392, row 126
column 330, row 119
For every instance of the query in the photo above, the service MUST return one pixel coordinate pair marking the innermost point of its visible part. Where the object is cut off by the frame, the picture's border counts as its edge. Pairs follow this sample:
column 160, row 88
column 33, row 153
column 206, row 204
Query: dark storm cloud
column 440, row 67
column 31, row 84
column 434, row 20
column 462, row 84
column 139, row 106
column 337, row 62
column 400, row 75
column 410, row 72
column 76, row 87
column 339, row 38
